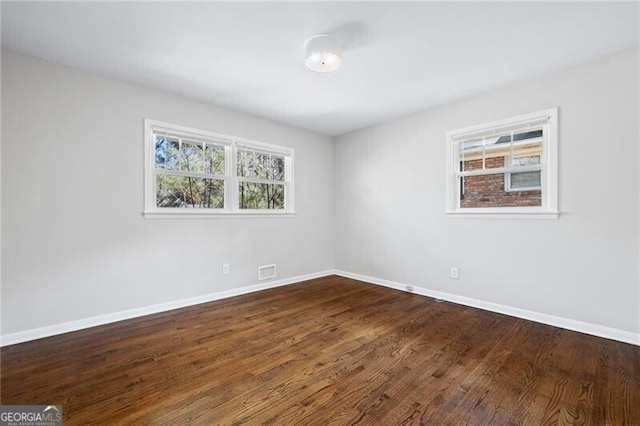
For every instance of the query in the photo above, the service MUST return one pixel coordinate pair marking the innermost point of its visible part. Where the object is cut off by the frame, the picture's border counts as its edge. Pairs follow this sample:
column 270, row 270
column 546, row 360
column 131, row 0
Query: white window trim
column 231, row 209
column 549, row 170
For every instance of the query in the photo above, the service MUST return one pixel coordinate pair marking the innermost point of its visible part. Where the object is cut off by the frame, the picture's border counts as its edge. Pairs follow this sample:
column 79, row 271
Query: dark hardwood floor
column 327, row 351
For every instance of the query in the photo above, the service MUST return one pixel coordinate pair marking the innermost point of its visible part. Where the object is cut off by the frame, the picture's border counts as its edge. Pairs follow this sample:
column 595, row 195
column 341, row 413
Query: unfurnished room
column 320, row 213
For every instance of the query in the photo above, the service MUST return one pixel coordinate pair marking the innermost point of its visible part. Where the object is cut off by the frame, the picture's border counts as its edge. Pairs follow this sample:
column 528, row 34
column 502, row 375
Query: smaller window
column 261, row 179
column 189, row 174
column 506, row 168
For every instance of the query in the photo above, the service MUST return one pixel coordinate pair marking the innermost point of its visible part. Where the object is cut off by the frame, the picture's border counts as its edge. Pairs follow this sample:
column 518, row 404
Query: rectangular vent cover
column 266, row 272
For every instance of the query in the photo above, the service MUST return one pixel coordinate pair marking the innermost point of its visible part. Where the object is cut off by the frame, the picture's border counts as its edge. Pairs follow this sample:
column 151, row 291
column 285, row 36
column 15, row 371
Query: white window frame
column 231, row 180
column 548, row 167
column 507, row 176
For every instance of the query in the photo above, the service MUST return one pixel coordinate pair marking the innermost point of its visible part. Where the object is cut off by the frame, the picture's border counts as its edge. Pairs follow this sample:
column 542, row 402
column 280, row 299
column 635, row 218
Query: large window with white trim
column 505, row 168
column 195, row 172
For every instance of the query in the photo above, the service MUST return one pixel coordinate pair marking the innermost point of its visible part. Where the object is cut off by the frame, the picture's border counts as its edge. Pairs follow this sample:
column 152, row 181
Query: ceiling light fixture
column 322, row 53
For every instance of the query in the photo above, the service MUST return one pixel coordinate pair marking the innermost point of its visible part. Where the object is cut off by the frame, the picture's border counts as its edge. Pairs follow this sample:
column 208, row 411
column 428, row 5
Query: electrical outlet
column 225, row 269
column 455, row 274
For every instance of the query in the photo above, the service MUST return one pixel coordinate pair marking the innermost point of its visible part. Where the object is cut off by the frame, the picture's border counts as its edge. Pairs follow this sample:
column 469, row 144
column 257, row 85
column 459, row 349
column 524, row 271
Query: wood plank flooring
column 330, row 351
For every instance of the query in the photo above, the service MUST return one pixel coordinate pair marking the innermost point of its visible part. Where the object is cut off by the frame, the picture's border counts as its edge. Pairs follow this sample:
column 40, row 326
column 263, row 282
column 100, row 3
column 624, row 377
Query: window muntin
column 194, row 172
column 504, row 167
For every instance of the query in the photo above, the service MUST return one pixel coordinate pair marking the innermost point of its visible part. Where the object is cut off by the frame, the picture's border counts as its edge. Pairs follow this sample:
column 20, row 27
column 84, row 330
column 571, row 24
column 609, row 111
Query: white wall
column 390, row 202
column 75, row 244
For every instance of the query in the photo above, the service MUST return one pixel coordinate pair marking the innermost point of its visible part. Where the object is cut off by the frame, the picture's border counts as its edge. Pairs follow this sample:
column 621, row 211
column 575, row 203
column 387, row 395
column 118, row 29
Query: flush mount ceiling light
column 322, row 53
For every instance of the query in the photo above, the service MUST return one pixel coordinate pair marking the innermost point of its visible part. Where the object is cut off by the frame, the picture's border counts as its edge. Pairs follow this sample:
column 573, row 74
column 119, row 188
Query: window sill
column 496, row 214
column 215, row 215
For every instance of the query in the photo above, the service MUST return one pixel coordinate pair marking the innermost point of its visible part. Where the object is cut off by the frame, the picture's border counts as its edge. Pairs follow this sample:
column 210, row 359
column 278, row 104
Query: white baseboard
column 569, row 324
column 66, row 327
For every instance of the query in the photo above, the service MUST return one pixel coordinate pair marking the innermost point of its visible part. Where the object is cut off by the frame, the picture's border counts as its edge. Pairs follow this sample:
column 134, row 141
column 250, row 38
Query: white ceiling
column 398, row 57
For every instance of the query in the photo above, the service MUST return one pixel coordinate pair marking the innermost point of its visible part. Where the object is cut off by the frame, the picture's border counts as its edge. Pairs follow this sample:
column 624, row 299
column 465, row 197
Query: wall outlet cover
column 455, row 273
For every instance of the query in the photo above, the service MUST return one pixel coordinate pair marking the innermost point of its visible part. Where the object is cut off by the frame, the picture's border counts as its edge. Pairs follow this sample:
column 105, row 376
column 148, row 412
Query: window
column 506, row 168
column 189, row 173
column 261, row 182
column 198, row 173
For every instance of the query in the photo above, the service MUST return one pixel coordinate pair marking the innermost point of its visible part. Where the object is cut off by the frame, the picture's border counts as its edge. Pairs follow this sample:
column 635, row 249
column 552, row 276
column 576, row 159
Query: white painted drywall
column 70, row 135
column 0, row 187
column 75, row 244
column 390, row 202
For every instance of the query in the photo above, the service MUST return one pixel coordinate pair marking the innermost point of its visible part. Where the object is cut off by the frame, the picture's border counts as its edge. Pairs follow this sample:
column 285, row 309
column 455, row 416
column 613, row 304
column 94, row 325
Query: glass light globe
column 323, row 53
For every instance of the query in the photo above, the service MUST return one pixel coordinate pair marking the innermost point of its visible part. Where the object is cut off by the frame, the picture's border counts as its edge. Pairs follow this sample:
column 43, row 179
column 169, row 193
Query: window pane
column 496, row 149
column 521, row 136
column 525, row 180
column 166, row 153
column 533, row 150
column 489, row 191
column 244, row 160
column 470, row 153
column 276, row 168
column 259, row 165
column 189, row 192
column 524, row 161
column 214, row 159
column 261, row 195
column 496, row 157
column 190, row 158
